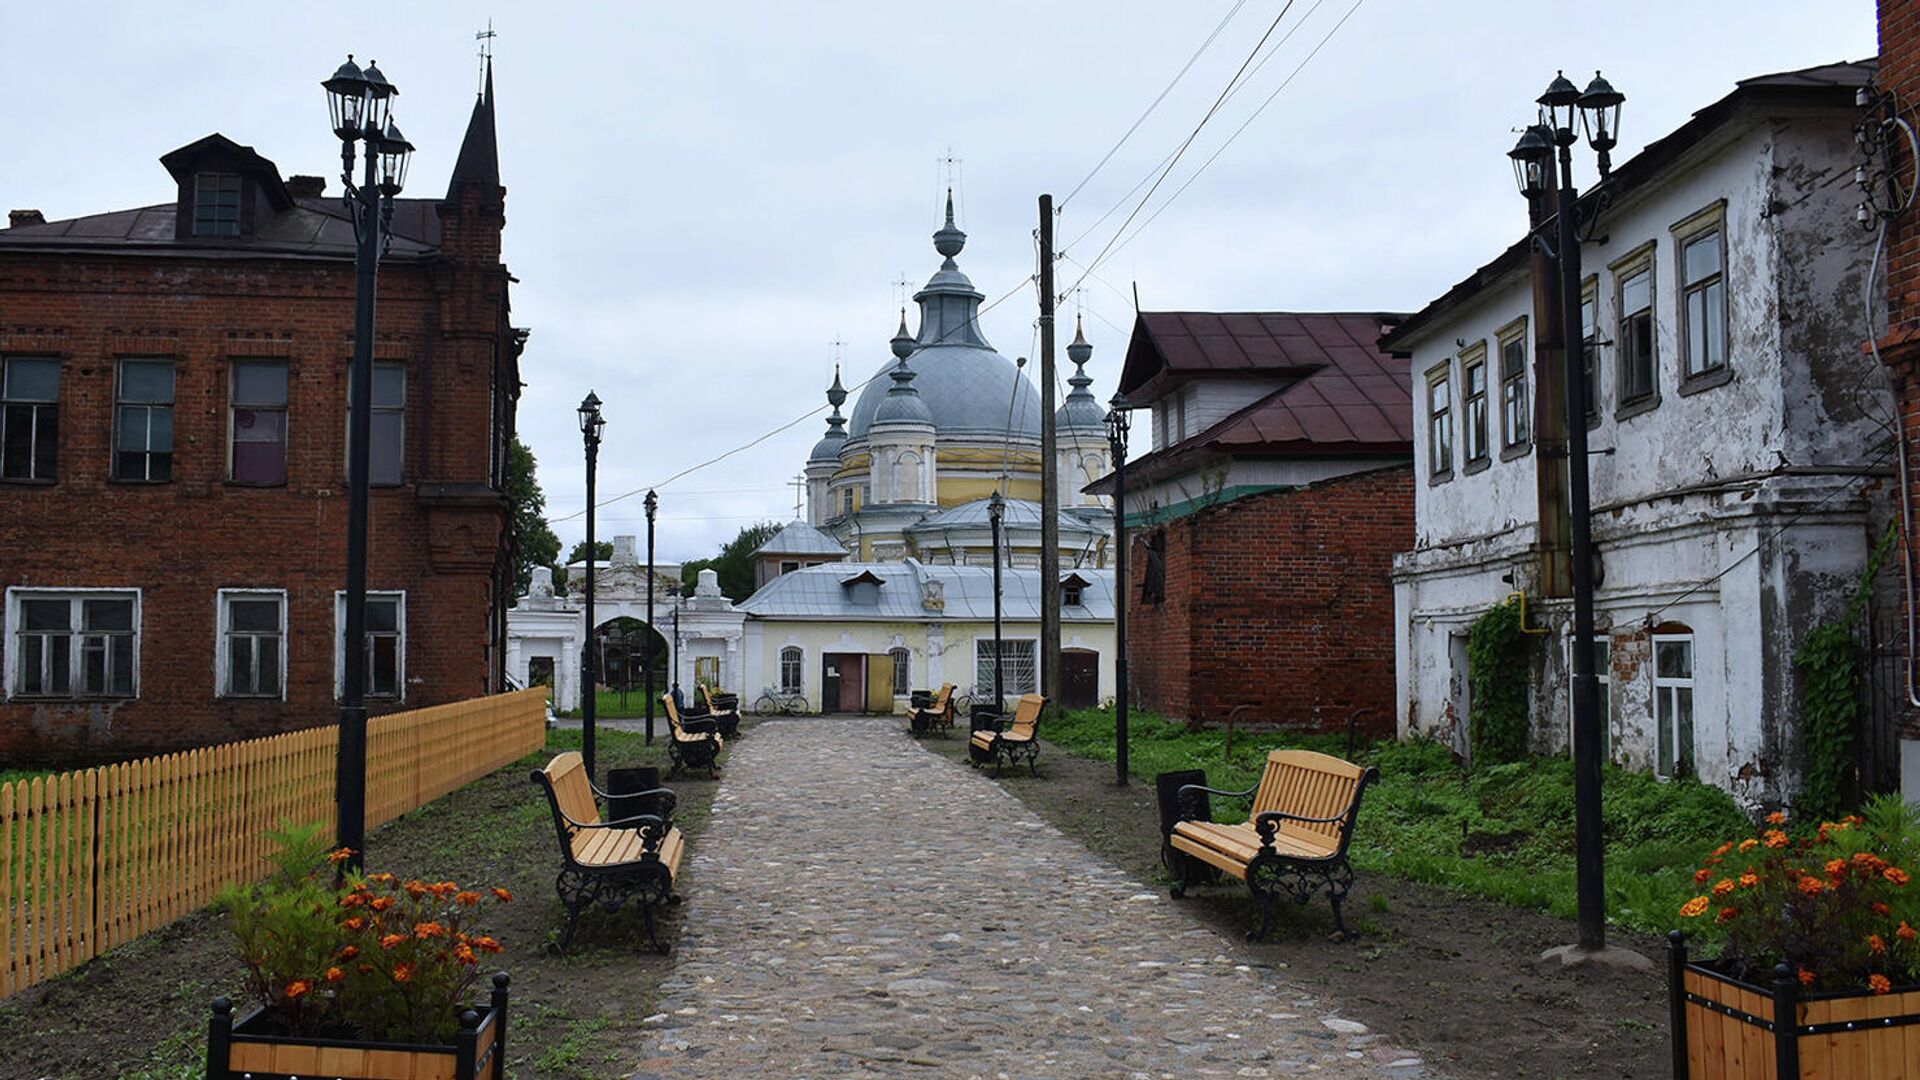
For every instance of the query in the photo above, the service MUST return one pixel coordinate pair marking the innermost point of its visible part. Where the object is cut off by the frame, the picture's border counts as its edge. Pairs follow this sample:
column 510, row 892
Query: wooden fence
column 91, row 859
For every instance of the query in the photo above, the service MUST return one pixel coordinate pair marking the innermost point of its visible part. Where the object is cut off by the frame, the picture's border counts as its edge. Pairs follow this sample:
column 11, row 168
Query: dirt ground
column 140, row 1012
column 1449, row 976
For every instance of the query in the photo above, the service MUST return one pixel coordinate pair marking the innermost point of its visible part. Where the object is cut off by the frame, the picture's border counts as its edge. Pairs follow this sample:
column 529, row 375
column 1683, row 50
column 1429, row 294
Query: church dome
column 827, row 450
column 965, row 386
column 1080, row 412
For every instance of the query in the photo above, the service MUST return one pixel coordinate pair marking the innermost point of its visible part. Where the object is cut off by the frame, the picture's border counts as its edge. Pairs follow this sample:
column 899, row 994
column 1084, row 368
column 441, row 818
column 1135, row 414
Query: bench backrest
column 1027, row 716
column 943, row 700
column 673, row 712
column 569, row 795
column 706, row 694
column 1312, row 784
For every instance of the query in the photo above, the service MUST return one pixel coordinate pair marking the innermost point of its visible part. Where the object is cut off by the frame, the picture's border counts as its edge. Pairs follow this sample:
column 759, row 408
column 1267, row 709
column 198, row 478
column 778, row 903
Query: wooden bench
column 610, row 863
column 690, row 748
column 724, row 709
column 937, row 715
column 1294, row 841
column 1006, row 744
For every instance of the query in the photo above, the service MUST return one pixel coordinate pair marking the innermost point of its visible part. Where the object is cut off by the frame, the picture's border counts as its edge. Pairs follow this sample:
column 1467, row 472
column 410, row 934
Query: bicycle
column 783, row 702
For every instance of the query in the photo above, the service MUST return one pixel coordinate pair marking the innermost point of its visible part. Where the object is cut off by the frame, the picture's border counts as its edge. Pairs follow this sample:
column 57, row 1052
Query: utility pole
column 1049, row 474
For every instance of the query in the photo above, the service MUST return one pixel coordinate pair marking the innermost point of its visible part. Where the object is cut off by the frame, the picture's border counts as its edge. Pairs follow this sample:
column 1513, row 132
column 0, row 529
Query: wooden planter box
column 1725, row 1029
column 246, row 1049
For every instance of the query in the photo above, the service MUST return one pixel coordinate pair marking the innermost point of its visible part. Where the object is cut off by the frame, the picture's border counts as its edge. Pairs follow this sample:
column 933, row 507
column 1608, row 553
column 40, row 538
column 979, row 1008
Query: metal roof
column 800, row 538
column 817, row 593
column 1019, row 514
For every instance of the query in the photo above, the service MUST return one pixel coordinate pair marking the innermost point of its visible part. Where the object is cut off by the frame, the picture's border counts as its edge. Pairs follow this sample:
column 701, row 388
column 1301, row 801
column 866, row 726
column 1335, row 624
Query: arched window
column 906, row 478
column 790, row 660
column 902, row 671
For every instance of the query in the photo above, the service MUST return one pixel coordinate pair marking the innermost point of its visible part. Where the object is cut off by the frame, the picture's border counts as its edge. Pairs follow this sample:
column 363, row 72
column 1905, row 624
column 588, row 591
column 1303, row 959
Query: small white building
column 1738, row 437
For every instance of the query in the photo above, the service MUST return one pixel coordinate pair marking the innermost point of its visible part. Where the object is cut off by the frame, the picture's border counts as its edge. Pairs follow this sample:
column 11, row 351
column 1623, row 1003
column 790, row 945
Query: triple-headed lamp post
column 1597, row 109
column 592, row 426
column 653, row 507
column 1117, row 424
column 360, row 104
column 996, row 514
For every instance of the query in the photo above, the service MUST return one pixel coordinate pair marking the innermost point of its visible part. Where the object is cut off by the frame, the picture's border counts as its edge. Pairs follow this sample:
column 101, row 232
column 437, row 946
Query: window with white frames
column 791, row 666
column 1603, row 681
column 1673, row 703
column 902, row 671
column 1703, row 301
column 252, row 657
column 386, row 648
column 1514, row 404
column 1021, row 676
column 82, row 643
column 1439, row 422
column 1473, row 405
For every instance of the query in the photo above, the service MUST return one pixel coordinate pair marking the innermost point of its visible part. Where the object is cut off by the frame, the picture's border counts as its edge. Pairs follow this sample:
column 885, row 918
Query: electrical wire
column 1162, row 96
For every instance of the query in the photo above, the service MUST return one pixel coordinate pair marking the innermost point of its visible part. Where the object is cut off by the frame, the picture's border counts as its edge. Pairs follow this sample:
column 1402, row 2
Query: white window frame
column 1516, row 402
column 1440, row 421
column 11, row 649
column 799, row 685
column 340, row 644
column 1672, row 685
column 1008, row 645
column 221, row 629
column 1475, row 442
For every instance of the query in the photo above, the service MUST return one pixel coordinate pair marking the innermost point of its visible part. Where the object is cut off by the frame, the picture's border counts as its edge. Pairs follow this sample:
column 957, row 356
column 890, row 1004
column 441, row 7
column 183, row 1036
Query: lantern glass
column 346, row 99
column 590, row 414
column 1530, row 156
column 1558, row 104
column 394, row 152
column 380, row 95
column 1600, row 113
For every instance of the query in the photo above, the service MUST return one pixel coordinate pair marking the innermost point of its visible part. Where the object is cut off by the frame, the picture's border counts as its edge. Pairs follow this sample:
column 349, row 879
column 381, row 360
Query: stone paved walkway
column 860, row 907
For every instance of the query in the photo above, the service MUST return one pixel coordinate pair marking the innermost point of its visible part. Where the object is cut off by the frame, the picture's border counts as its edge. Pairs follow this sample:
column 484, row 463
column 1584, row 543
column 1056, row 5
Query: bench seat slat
column 1243, row 843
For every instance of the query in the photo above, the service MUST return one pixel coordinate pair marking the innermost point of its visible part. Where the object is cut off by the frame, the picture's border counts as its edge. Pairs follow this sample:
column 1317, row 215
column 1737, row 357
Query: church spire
column 479, row 159
column 949, row 304
column 949, row 241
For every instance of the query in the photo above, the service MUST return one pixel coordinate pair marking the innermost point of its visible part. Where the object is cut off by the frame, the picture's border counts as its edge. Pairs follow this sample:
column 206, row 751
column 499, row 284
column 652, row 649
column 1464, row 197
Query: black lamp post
column 1598, row 109
column 996, row 512
column 1117, row 423
column 592, row 425
column 653, row 505
column 360, row 104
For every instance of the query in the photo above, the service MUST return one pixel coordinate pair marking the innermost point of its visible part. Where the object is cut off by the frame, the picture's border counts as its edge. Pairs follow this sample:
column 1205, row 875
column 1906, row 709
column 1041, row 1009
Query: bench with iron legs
column 1294, row 841
column 609, row 863
column 724, row 709
column 691, row 743
column 997, row 742
column 936, row 715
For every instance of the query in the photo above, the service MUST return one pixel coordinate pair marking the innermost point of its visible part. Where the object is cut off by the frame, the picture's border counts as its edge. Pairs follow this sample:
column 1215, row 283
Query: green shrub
column 1499, row 667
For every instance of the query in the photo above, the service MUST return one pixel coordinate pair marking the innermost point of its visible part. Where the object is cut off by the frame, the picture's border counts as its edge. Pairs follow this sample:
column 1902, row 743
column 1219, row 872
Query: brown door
column 849, row 671
column 1079, row 678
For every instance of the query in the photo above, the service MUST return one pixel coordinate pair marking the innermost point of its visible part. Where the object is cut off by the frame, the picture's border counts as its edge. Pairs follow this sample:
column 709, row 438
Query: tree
column 534, row 543
column 603, row 552
column 734, row 564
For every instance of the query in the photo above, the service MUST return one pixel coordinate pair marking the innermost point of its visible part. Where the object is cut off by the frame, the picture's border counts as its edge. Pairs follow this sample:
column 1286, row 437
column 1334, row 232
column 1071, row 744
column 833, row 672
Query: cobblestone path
column 860, row 907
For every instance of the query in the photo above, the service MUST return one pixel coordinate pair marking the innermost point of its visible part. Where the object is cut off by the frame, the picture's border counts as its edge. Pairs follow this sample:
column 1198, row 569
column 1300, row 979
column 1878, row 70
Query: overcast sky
column 701, row 198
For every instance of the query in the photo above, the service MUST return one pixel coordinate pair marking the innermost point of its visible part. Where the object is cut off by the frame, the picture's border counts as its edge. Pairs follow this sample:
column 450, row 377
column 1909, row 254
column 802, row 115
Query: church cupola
column 825, row 459
column 902, row 434
column 1080, row 429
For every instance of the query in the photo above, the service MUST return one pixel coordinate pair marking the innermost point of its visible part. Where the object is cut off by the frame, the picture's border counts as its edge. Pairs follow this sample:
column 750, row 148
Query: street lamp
column 996, row 512
column 592, row 426
column 653, row 505
column 358, row 106
column 1597, row 109
column 1117, row 424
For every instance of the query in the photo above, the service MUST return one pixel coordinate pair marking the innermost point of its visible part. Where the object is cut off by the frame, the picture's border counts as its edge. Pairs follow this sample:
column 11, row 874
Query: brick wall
column 1280, row 600
column 1900, row 74
column 181, row 541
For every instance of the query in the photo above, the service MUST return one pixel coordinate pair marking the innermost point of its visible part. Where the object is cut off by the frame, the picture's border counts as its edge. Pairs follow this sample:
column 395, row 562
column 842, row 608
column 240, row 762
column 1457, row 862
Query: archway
column 626, row 645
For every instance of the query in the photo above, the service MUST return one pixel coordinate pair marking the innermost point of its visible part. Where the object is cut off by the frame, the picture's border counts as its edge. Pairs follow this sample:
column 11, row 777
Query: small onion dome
column 903, row 404
column 1080, row 411
column 1079, row 351
column 902, row 342
column 836, row 394
column 949, row 241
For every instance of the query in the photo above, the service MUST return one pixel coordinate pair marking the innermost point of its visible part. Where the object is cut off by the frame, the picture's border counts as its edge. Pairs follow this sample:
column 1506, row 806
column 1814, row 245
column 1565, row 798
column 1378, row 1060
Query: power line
column 1177, row 76
column 1192, row 135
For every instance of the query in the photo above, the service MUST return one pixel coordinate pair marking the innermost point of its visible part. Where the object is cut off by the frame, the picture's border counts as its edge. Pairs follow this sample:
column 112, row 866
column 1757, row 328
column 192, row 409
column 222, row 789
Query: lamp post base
column 1610, row 956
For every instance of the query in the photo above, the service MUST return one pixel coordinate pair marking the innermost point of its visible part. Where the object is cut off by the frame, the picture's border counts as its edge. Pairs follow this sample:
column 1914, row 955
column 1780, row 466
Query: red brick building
column 173, row 416
column 1265, row 518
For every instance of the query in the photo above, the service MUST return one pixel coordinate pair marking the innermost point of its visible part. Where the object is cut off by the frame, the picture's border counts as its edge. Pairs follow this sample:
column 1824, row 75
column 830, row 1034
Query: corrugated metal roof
column 799, row 538
column 817, row 593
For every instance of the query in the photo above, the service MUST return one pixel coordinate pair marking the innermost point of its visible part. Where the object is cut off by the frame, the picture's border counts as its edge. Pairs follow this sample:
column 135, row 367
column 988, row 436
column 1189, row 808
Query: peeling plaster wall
column 1741, row 509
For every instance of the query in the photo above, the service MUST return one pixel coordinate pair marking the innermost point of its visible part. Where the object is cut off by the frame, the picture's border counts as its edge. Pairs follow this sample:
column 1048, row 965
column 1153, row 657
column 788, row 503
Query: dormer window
column 1073, row 591
column 863, row 589
column 216, row 204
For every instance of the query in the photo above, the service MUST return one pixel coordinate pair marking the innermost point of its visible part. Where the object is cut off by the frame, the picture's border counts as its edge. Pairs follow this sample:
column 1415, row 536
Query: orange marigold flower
column 352, row 900
column 1836, row 867
column 426, row 930
column 1876, row 943
column 444, row 889
column 381, row 903
column 339, row 855
column 467, row 898
column 1694, row 908
column 487, row 944
column 1806, row 977
column 402, row 972
column 1748, row 845
column 1879, row 984
column 464, row 954
column 364, row 969
column 1723, row 887
column 1812, row 886
column 1726, row 915
column 334, row 974
column 1778, row 817
column 354, row 923
column 1895, row 875
column 1776, row 838
column 1749, row 879
column 392, row 940
column 383, row 878
column 1905, row 933
column 416, row 889
column 1701, row 875
column 1723, row 848
column 502, row 895
column 348, row 952
column 297, row 987
column 1880, row 909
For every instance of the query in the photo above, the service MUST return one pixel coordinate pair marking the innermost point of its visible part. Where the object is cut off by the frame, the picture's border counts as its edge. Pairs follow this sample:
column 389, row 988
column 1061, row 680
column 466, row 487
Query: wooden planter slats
column 1724, row 1029
column 478, row 1052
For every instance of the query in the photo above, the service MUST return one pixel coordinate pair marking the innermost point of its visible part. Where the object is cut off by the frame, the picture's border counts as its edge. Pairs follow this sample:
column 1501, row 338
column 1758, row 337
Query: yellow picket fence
column 94, row 858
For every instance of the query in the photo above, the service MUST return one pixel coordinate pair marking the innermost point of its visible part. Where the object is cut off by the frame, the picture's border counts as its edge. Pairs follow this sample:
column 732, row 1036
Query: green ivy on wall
column 1829, row 659
column 1499, row 669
